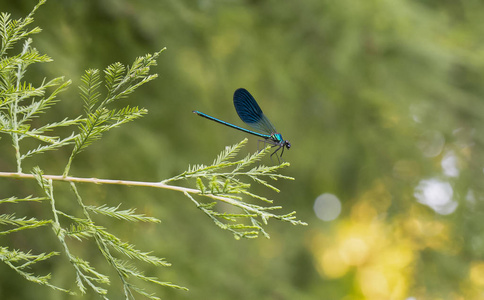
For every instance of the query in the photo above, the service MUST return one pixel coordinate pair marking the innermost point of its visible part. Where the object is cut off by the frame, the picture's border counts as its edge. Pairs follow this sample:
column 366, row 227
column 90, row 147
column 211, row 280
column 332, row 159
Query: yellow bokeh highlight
column 378, row 283
column 354, row 251
column 363, row 212
column 373, row 283
column 397, row 257
column 426, row 232
column 332, row 264
column 366, row 245
column 477, row 273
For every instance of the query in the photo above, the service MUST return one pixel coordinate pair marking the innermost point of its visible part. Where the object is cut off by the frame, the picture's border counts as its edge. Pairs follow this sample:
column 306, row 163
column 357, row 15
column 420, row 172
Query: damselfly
column 250, row 112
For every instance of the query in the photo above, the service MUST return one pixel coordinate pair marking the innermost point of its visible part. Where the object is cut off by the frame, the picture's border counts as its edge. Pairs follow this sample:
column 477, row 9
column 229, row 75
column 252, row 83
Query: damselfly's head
column 287, row 144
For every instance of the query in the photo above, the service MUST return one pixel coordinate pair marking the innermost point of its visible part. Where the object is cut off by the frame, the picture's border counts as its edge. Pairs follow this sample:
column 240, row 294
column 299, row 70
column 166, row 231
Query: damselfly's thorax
column 277, row 139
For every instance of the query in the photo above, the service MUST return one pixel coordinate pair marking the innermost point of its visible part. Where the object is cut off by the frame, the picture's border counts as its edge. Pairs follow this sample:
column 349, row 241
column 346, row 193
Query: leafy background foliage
column 373, row 96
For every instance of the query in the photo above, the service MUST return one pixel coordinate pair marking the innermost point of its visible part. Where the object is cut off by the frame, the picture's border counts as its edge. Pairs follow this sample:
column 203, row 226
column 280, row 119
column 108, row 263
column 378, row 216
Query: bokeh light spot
column 332, row 264
column 449, row 164
column 327, row 207
column 477, row 274
column 437, row 195
column 374, row 284
column 354, row 251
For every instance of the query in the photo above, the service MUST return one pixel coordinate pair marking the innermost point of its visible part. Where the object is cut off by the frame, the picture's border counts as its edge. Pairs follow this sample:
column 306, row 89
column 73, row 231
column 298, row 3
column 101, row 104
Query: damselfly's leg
column 273, row 144
column 258, row 143
column 279, row 158
column 282, row 151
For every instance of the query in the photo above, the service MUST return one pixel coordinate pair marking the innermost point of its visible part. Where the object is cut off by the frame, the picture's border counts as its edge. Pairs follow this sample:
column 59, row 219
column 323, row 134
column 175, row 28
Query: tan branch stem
column 118, row 182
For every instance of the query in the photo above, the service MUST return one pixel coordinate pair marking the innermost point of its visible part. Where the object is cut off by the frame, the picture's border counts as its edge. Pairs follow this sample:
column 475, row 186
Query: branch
column 250, row 210
column 117, row 182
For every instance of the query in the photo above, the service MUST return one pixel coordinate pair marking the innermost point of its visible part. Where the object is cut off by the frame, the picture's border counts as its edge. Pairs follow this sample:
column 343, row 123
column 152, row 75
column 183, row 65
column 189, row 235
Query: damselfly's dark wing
column 250, row 112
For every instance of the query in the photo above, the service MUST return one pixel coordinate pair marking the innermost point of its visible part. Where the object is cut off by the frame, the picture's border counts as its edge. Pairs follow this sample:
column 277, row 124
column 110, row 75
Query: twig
column 118, row 182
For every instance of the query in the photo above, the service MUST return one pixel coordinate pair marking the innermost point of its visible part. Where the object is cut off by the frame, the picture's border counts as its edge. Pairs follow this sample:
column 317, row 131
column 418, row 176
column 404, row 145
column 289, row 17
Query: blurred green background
column 381, row 100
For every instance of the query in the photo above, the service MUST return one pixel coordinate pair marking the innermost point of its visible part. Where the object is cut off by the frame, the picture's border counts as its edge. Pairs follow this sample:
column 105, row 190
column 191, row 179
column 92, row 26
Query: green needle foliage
column 227, row 180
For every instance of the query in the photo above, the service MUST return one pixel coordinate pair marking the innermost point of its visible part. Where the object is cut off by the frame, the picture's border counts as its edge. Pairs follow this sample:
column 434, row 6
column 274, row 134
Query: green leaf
column 126, row 215
column 90, row 89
